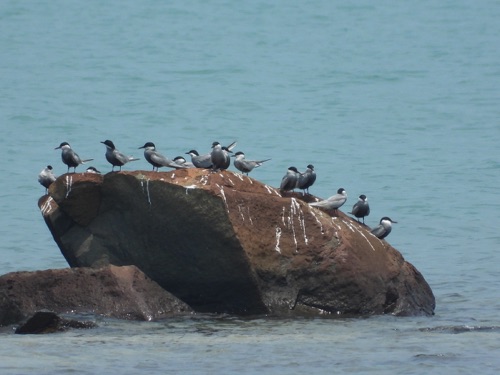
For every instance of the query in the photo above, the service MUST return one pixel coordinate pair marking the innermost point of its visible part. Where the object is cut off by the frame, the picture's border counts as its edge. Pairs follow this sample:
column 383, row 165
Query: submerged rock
column 119, row 292
column 49, row 322
column 223, row 242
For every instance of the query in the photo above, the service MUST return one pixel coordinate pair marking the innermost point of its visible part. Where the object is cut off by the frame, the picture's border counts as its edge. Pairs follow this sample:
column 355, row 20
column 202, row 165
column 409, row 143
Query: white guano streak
column 239, row 175
column 271, row 190
column 204, row 180
column 291, row 224
column 334, row 223
column 317, row 220
column 357, row 230
column 302, row 222
column 249, row 217
column 241, row 213
column 278, row 236
column 223, row 196
column 349, row 226
column 69, row 184
column 189, row 187
column 147, row 189
column 47, row 206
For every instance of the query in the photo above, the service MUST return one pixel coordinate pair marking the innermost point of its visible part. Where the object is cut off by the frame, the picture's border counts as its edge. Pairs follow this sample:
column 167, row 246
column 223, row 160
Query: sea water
column 395, row 100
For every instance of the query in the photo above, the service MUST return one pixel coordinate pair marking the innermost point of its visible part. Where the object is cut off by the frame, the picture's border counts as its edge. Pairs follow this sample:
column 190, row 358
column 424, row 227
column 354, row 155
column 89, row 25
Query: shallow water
column 393, row 100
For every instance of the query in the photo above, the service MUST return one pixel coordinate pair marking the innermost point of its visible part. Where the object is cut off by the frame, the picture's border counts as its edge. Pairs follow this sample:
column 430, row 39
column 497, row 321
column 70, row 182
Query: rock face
column 119, row 292
column 223, row 242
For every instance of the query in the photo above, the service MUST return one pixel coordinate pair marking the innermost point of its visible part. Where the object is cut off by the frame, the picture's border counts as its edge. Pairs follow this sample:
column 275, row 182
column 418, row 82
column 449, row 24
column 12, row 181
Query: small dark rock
column 49, row 322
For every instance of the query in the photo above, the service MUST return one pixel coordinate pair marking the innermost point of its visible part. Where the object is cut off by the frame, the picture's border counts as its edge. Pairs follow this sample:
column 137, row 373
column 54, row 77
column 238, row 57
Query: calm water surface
column 394, row 100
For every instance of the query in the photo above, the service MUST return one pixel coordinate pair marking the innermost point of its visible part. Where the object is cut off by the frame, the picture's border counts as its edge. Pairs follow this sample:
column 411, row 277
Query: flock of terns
column 219, row 158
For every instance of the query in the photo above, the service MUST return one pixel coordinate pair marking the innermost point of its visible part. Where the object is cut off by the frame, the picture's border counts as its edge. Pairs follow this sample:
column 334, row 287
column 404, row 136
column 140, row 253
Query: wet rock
column 10, row 313
column 119, row 292
column 49, row 322
column 223, row 242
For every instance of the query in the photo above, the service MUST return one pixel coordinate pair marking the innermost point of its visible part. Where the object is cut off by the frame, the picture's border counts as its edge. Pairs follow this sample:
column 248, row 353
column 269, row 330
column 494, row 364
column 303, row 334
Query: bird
column 307, row 179
column 46, row 177
column 200, row 161
column 220, row 156
column 246, row 166
column 289, row 180
column 361, row 208
column 181, row 160
column 156, row 159
column 115, row 157
column 332, row 203
column 70, row 157
column 93, row 170
column 384, row 228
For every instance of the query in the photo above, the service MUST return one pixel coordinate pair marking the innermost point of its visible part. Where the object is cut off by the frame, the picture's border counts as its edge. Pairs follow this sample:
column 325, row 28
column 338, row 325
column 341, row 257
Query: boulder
column 119, row 292
column 224, row 242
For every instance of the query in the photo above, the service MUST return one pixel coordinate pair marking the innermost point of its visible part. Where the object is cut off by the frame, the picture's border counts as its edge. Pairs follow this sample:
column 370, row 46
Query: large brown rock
column 223, row 242
column 119, row 292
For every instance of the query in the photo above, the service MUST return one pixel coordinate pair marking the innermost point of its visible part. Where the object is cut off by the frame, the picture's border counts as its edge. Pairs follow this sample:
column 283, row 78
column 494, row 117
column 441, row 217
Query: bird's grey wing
column 284, row 181
column 324, row 203
column 202, row 161
column 316, row 204
column 336, row 199
column 186, row 164
column 302, row 180
column 312, row 178
column 160, row 159
column 217, row 157
column 51, row 177
column 240, row 165
column 72, row 157
column 122, row 158
column 248, row 165
column 355, row 208
column 378, row 230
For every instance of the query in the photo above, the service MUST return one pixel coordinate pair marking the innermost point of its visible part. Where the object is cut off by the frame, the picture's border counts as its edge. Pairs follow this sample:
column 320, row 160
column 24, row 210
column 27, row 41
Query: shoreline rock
column 118, row 292
column 226, row 243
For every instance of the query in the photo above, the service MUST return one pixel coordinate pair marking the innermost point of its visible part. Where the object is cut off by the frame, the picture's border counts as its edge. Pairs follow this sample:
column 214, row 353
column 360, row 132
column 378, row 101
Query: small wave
column 461, row 329
column 437, row 355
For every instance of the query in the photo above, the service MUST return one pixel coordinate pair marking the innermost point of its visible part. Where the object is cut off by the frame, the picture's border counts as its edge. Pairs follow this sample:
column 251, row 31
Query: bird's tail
column 232, row 145
column 86, row 160
column 175, row 165
column 131, row 158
